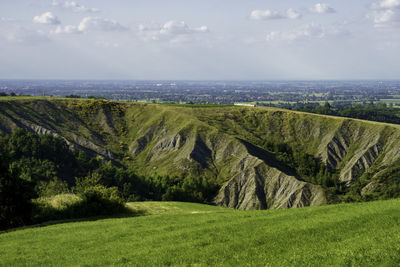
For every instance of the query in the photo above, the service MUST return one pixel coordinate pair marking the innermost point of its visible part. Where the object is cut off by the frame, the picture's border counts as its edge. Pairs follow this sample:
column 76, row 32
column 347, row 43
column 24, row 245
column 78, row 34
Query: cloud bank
column 307, row 32
column 75, row 7
column 88, row 24
column 46, row 18
column 271, row 14
column 385, row 13
column 174, row 31
column 321, row 8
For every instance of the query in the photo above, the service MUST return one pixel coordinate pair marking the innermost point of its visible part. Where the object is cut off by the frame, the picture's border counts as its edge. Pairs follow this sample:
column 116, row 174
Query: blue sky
column 200, row 40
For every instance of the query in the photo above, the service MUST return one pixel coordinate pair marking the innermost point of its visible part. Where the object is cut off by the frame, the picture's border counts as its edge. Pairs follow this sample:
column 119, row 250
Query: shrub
column 62, row 206
column 52, row 188
column 93, row 201
column 100, row 200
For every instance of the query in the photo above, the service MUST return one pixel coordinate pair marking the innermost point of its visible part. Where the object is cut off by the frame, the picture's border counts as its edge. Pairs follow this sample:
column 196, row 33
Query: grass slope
column 186, row 234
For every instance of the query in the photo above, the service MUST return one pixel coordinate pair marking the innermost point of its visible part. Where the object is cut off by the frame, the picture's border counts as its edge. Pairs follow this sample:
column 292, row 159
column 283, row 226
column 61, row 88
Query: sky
column 200, row 40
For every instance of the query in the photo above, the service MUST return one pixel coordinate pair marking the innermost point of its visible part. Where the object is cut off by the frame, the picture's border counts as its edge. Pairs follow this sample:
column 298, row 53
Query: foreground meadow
column 186, row 234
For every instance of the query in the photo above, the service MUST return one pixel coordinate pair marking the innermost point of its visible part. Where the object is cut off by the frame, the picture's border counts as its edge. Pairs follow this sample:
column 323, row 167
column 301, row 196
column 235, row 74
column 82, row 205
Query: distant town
column 267, row 93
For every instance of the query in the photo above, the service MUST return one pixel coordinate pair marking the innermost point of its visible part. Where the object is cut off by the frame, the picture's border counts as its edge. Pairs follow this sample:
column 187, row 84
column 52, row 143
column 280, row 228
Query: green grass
column 186, row 234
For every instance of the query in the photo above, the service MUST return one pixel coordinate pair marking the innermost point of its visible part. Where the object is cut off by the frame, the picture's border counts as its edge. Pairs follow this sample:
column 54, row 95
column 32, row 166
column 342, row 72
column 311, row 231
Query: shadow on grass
column 127, row 214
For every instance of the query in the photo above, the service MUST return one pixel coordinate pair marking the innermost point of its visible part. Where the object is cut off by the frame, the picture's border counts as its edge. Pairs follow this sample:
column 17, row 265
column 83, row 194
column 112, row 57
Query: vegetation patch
column 42, row 179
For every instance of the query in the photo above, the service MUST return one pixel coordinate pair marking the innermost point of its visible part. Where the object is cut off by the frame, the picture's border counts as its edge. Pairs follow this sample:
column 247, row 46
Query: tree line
column 374, row 112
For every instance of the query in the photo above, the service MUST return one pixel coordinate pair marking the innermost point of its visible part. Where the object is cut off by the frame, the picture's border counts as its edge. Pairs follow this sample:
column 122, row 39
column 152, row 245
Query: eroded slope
column 226, row 145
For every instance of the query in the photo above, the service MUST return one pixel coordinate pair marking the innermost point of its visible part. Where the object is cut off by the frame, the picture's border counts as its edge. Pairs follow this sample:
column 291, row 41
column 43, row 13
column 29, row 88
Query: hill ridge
column 211, row 142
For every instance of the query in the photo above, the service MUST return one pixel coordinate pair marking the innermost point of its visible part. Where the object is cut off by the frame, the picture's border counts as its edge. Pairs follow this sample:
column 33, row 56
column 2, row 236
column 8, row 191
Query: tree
column 15, row 197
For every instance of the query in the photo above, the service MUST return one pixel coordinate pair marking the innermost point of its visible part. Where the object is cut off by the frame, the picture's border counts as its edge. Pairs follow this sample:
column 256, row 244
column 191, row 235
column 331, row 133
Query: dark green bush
column 92, row 201
column 15, row 198
column 100, row 200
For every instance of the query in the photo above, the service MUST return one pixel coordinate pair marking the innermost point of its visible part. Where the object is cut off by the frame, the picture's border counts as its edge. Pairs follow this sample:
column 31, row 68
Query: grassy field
column 186, row 234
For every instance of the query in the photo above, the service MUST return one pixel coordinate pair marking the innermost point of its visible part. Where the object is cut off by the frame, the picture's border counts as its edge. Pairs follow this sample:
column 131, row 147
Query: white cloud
column 75, row 7
column 172, row 31
column 265, row 14
column 383, row 16
column 386, row 4
column 149, row 28
column 271, row 14
column 46, row 18
column 293, row 14
column 309, row 31
column 89, row 24
column 180, row 27
column 69, row 29
column 100, row 24
column 385, row 13
column 322, row 8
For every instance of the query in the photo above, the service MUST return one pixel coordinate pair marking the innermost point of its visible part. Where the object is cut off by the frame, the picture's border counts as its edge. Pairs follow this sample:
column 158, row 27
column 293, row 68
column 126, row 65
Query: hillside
column 186, row 234
column 260, row 157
